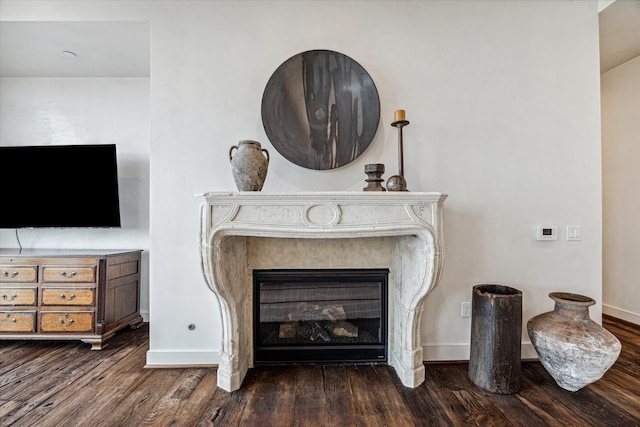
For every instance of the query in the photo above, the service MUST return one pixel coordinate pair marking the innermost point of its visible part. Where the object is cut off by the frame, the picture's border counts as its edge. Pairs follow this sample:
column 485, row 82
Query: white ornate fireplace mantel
column 242, row 231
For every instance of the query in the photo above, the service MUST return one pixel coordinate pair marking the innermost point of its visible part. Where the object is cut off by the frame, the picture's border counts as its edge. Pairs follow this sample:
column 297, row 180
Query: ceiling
column 122, row 49
column 619, row 33
column 100, row 49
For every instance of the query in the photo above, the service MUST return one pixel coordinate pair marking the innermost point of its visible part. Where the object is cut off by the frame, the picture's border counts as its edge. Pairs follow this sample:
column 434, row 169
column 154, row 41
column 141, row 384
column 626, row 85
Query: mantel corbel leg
column 415, row 262
column 231, row 284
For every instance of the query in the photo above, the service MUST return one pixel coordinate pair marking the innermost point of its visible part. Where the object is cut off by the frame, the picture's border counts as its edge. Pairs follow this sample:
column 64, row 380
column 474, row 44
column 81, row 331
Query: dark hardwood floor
column 45, row 383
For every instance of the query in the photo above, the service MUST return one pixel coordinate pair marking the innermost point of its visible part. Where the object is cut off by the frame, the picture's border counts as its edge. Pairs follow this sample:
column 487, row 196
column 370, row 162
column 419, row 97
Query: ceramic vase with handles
column 575, row 350
column 249, row 164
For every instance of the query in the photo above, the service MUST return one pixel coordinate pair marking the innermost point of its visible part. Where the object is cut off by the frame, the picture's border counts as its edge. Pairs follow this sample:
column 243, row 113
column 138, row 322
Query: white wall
column 54, row 111
column 503, row 100
column 621, row 190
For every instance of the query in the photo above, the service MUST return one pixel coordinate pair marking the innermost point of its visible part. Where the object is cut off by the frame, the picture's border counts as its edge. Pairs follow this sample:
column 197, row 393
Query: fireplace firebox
column 320, row 316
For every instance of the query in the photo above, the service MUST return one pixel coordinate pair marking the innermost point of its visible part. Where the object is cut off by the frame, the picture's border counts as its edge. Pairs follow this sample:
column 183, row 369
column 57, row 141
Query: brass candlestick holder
column 397, row 182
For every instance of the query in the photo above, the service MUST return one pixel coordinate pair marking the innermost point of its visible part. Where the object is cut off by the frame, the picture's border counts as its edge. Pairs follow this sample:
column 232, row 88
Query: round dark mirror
column 320, row 109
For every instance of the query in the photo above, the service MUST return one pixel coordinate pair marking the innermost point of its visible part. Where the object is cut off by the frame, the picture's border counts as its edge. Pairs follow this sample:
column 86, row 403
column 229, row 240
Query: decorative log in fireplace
column 320, row 315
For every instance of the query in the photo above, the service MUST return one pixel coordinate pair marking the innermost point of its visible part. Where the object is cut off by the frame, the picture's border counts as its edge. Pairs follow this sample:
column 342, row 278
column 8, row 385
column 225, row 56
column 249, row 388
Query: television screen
column 59, row 186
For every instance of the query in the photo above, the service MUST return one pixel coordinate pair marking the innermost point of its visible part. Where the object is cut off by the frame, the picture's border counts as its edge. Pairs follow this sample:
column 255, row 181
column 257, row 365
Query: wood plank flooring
column 49, row 383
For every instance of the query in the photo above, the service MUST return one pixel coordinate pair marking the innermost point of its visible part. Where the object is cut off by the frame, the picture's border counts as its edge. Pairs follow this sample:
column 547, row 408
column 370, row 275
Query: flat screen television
column 58, row 186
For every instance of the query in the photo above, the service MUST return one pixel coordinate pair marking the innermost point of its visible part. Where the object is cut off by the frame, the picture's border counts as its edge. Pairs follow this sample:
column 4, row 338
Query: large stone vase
column 574, row 349
column 249, row 164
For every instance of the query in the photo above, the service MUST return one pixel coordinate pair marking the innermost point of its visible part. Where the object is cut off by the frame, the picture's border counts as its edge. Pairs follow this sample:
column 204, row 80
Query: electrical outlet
column 465, row 309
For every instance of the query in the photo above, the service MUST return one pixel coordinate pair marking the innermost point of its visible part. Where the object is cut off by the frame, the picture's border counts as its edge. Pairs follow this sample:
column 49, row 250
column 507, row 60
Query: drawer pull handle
column 64, row 273
column 62, row 321
column 9, row 297
column 64, row 297
column 13, row 319
column 7, row 274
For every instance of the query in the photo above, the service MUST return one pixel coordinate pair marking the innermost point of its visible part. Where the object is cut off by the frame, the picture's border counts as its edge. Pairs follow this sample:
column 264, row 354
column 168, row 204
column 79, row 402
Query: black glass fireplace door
column 313, row 316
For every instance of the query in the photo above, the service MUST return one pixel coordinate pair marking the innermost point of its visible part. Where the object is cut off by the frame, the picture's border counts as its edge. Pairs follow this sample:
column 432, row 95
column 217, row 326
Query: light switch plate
column 574, row 232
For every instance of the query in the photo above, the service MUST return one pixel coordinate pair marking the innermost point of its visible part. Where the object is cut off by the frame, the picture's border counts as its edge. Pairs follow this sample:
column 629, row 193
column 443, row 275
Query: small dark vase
column 575, row 350
column 374, row 172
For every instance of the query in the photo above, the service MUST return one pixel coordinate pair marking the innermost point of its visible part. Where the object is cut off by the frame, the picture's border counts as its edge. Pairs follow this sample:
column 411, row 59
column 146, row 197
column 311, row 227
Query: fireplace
column 245, row 231
column 320, row 315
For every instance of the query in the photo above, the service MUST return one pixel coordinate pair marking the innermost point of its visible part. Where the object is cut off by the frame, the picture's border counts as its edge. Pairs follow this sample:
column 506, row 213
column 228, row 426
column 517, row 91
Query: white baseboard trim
column 431, row 353
column 445, row 352
column 458, row 352
column 620, row 313
column 181, row 358
column 145, row 316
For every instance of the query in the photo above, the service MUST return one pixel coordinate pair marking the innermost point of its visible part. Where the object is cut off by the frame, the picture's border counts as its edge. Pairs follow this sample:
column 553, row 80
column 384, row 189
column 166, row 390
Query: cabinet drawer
column 18, row 274
column 67, row 296
column 69, row 274
column 17, row 321
column 66, row 321
column 18, row 296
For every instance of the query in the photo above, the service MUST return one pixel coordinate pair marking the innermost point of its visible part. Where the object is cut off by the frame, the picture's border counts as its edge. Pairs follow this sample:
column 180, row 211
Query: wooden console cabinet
column 68, row 294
